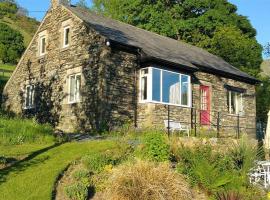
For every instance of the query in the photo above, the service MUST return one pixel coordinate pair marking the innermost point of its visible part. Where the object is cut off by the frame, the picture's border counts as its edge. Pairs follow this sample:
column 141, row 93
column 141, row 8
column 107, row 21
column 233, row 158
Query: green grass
column 35, row 178
column 19, row 131
column 5, row 75
column 21, row 150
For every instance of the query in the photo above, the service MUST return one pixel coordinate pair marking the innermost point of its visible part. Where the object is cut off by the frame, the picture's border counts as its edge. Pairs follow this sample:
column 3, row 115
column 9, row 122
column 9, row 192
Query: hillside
column 16, row 18
column 265, row 68
column 25, row 25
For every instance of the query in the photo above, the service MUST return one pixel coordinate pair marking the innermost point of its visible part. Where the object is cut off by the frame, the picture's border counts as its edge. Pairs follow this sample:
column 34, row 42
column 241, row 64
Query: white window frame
column 77, row 92
column 150, row 88
column 32, row 97
column 64, row 37
column 239, row 107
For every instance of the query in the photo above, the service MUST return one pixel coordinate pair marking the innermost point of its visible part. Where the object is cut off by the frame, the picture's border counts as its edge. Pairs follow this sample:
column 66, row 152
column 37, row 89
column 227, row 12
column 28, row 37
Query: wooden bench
column 176, row 126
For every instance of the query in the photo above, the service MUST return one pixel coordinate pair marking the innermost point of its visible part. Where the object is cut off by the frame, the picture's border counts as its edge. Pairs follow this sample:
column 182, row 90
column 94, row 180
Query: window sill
column 73, row 103
column 235, row 115
column 29, row 108
column 165, row 104
column 65, row 48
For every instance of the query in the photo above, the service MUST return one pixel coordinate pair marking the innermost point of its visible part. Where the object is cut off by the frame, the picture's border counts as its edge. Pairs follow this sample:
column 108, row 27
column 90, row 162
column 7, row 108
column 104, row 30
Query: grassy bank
column 17, row 131
column 35, row 178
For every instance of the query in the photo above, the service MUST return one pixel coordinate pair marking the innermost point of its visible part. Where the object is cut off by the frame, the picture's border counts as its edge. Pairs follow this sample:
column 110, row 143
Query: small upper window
column 29, row 96
column 42, row 45
column 74, row 88
column 66, row 37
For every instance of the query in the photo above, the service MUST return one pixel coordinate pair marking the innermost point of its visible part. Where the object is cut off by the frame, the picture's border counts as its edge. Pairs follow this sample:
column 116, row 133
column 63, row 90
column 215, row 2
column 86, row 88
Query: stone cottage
column 83, row 71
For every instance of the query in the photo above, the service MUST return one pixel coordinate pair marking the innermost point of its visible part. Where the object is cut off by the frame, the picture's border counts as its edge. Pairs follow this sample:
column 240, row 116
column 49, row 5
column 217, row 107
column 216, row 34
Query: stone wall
column 151, row 114
column 108, row 96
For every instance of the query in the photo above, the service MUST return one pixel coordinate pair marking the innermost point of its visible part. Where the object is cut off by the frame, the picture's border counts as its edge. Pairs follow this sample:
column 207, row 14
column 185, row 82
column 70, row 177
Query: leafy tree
column 201, row 23
column 11, row 44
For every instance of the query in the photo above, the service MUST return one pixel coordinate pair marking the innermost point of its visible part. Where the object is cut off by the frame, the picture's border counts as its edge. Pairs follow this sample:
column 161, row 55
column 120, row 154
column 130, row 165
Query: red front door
column 205, row 105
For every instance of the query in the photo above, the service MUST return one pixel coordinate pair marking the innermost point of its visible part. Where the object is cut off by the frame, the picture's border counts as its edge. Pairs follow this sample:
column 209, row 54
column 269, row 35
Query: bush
column 78, row 191
column 154, row 147
column 146, row 181
column 80, row 174
column 97, row 163
column 18, row 131
column 228, row 195
column 211, row 171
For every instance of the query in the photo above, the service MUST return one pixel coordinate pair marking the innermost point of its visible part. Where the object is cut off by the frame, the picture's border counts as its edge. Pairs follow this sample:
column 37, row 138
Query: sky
column 255, row 10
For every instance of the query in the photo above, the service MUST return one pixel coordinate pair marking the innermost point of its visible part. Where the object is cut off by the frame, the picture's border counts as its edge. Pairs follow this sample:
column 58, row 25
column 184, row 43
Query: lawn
column 35, row 177
column 3, row 74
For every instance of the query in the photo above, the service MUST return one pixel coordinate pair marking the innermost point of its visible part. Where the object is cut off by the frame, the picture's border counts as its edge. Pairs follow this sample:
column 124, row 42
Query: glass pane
column 170, row 88
column 144, row 88
column 66, row 36
column 43, row 44
column 72, row 89
column 28, row 96
column 78, row 87
column 156, row 85
column 184, row 90
column 233, row 102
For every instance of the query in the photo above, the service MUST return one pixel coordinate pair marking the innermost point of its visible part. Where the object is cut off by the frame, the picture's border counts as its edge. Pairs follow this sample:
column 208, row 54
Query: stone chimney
column 55, row 3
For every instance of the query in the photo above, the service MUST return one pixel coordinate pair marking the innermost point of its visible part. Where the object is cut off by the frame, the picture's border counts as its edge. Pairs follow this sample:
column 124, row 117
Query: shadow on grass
column 22, row 165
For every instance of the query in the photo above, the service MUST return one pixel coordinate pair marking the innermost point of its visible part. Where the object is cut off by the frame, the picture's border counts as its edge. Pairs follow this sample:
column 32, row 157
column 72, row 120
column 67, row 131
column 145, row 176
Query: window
column 66, row 37
column 42, row 45
column 144, row 78
column 235, row 102
column 29, row 96
column 74, row 88
column 163, row 86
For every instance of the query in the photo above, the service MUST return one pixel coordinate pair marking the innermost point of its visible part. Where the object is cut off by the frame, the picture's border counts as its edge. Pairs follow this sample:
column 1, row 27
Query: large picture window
column 163, row 86
column 74, row 88
column 29, row 96
column 235, row 102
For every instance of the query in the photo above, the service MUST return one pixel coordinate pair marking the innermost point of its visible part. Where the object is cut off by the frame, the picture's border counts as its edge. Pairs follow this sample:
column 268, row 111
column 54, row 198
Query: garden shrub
column 203, row 167
column 154, row 147
column 144, row 180
column 77, row 191
column 97, row 163
column 80, row 174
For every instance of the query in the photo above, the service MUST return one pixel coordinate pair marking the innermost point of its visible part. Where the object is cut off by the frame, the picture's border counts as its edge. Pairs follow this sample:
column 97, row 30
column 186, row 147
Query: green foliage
column 80, row 174
column 78, row 191
column 8, row 8
column 218, row 172
column 3, row 160
column 263, row 100
column 19, row 131
column 199, row 23
column 11, row 44
column 154, row 147
column 243, row 155
column 97, row 163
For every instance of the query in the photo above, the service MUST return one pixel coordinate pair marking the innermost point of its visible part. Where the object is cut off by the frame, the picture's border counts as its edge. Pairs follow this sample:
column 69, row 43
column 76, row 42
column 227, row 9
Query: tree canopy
column 11, row 44
column 211, row 24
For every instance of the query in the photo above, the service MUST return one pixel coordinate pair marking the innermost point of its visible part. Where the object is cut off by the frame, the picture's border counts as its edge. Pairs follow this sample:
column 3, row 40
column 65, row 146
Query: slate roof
column 159, row 47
